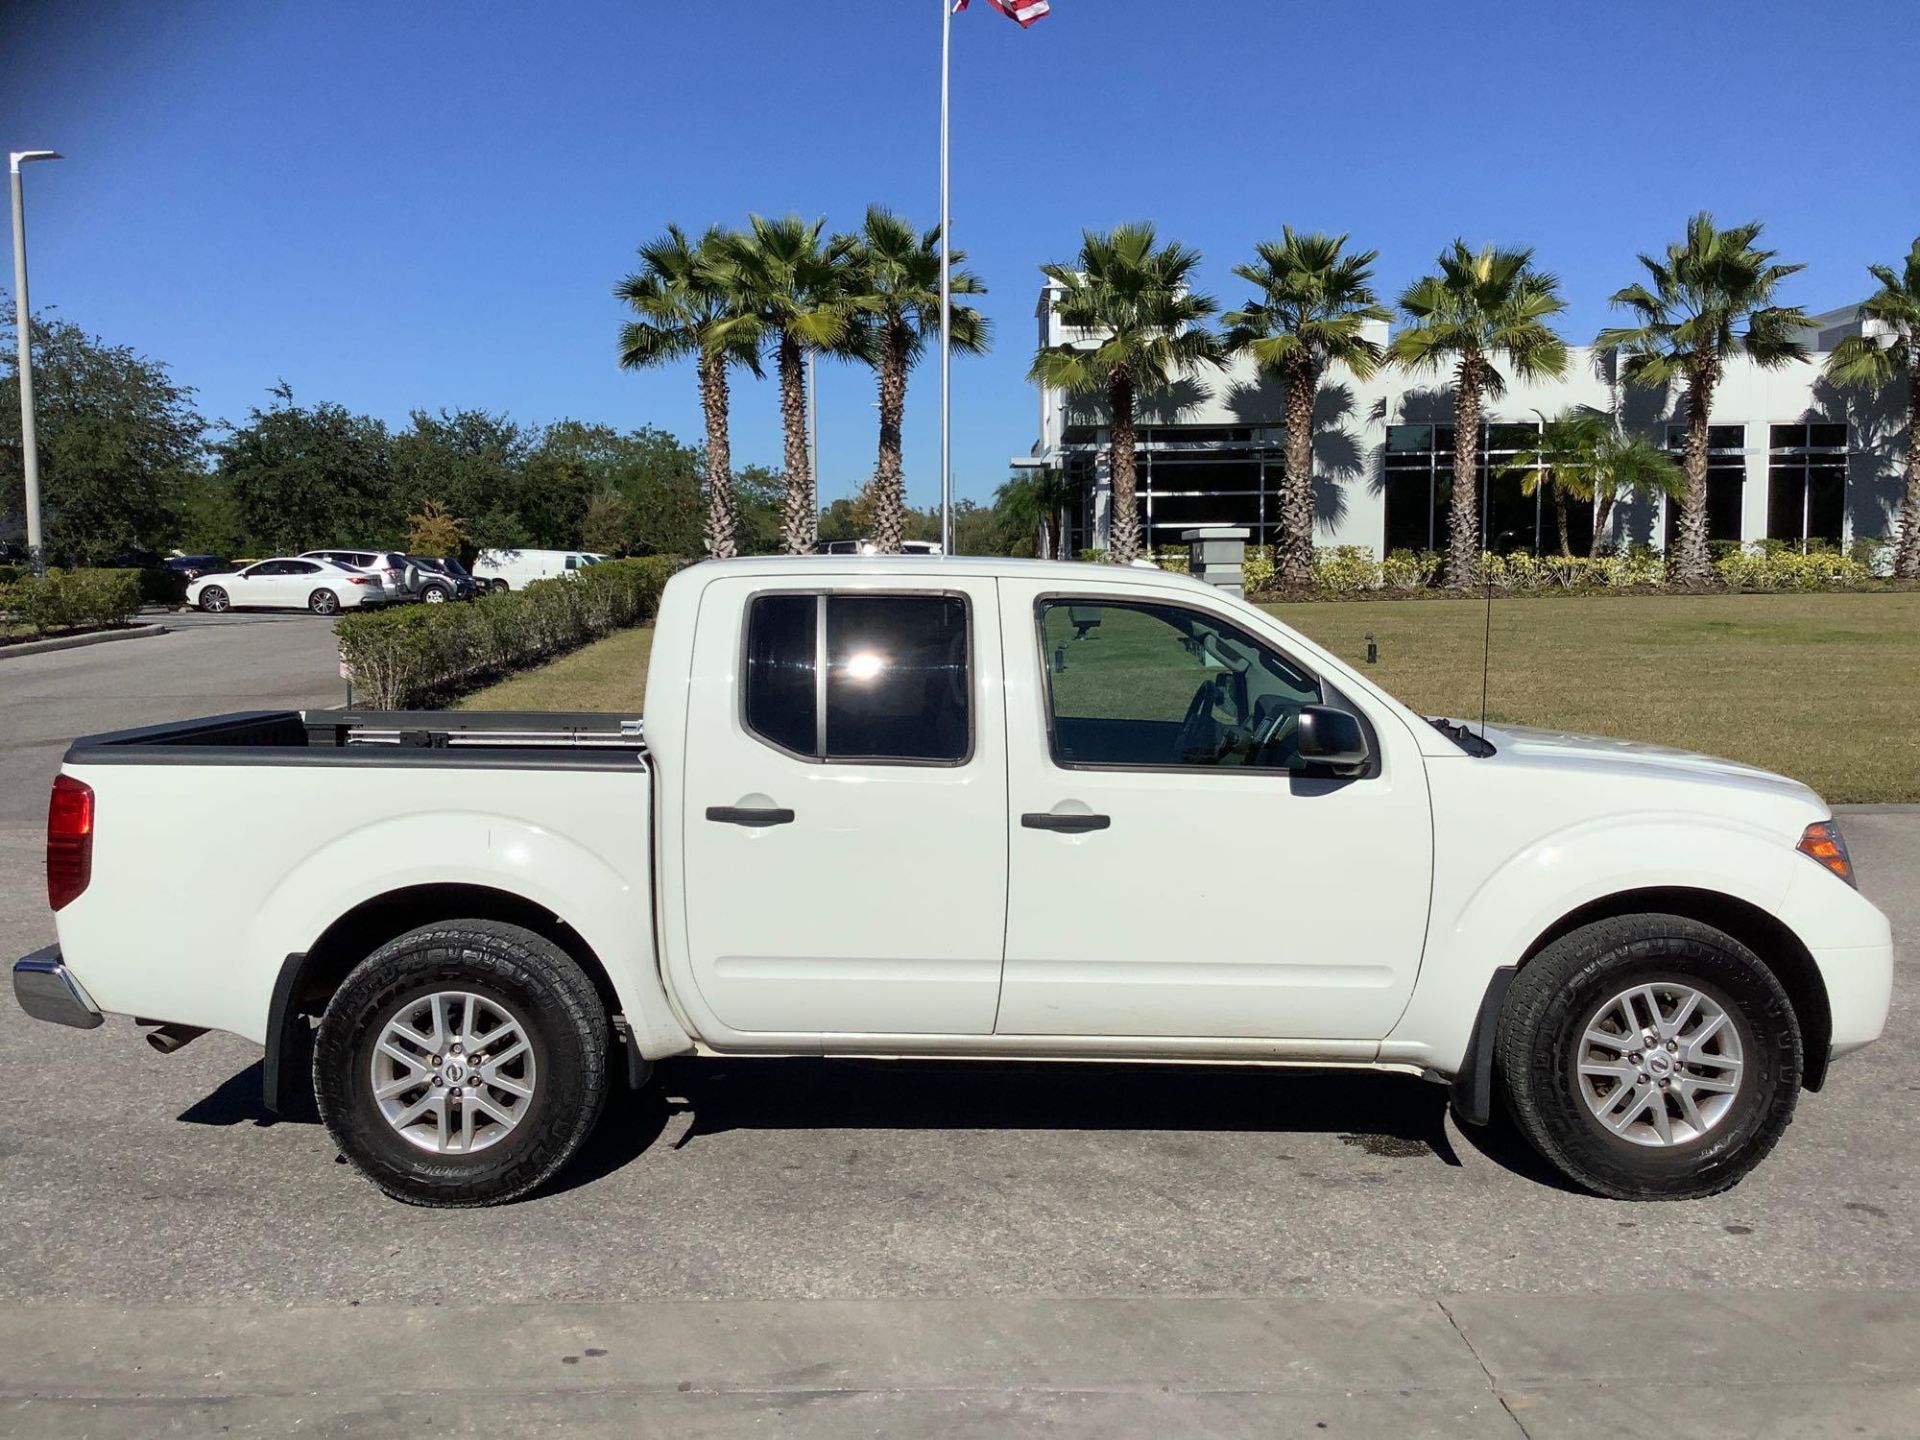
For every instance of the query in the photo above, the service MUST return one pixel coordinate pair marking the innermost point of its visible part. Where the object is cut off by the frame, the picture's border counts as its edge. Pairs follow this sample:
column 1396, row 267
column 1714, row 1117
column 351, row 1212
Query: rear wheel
column 1650, row 1057
column 324, row 602
column 434, row 595
column 214, row 600
column 462, row 1064
column 498, row 587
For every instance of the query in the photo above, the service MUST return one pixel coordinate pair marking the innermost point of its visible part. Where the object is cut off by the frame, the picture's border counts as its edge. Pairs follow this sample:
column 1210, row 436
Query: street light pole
column 23, row 327
column 946, row 292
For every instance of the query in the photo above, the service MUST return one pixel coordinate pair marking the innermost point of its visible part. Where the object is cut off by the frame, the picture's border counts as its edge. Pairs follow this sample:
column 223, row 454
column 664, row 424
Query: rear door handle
column 738, row 815
column 1066, row 824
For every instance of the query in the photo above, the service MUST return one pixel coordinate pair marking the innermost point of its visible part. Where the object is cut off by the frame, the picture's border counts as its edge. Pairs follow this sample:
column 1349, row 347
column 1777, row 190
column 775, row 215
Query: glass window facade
column 1419, row 481
column 1726, row 480
column 1806, row 482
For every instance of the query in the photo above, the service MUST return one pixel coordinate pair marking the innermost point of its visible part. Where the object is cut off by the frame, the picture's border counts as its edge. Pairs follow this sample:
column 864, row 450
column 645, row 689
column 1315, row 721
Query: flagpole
column 946, row 292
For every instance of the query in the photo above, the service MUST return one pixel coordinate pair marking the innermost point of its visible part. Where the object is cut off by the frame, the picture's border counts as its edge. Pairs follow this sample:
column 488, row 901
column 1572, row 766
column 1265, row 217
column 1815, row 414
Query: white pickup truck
column 965, row 808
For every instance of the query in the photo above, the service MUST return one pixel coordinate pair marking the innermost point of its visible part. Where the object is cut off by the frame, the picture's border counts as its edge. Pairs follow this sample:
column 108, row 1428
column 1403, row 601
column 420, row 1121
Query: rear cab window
column 860, row 677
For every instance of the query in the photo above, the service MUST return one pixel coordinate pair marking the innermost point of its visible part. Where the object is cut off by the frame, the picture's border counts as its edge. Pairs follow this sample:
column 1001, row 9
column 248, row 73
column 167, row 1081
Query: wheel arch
column 308, row 979
column 1765, row 934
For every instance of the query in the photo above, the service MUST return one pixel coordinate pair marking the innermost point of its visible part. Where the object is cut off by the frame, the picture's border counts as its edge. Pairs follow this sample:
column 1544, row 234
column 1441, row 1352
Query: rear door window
column 895, row 686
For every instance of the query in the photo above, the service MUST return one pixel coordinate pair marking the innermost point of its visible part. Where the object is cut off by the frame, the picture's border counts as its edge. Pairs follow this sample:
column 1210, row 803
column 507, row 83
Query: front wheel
column 434, row 595
column 324, row 602
column 462, row 1064
column 1650, row 1057
column 214, row 600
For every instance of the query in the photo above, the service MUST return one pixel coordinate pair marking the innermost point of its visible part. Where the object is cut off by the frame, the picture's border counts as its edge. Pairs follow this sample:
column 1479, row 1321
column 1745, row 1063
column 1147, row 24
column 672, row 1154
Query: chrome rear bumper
column 47, row 990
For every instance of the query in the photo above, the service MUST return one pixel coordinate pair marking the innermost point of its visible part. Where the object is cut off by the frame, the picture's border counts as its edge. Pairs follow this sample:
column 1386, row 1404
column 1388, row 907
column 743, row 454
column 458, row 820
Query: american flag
column 1024, row 11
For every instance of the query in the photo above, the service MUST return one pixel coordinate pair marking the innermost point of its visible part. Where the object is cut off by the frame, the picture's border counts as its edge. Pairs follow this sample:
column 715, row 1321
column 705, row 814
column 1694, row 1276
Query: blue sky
column 425, row 204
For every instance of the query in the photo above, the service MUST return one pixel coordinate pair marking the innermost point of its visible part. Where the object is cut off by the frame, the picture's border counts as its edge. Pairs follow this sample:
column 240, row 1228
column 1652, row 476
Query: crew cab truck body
column 966, row 808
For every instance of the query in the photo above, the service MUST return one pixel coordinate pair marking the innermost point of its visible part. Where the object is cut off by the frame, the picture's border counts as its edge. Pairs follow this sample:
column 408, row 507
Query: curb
column 74, row 642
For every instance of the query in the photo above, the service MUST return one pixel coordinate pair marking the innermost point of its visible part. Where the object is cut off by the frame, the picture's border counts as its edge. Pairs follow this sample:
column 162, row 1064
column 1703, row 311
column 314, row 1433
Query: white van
column 515, row 569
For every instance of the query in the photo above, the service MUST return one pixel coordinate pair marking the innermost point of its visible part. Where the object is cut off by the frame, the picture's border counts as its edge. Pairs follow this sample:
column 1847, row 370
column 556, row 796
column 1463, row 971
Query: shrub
column 1342, row 571
column 1771, row 566
column 1176, row 558
column 73, row 599
column 1411, row 569
column 1256, row 573
column 404, row 659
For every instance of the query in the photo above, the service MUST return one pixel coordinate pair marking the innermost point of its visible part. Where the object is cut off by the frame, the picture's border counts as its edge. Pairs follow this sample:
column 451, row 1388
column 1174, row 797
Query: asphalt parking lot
column 765, row 1198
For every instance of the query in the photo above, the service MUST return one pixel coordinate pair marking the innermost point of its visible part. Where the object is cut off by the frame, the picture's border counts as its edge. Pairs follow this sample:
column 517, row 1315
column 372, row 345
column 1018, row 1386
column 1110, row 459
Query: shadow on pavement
column 1393, row 1116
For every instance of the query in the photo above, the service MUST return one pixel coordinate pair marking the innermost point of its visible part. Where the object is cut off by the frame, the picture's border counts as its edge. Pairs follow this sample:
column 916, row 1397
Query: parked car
column 865, row 547
column 437, row 579
column 292, row 583
column 389, row 565
column 192, row 567
column 513, row 569
column 1094, row 812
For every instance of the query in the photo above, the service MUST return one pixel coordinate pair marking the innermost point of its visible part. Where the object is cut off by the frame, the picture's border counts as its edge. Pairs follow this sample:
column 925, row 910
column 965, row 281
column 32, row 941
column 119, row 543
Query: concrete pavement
column 203, row 665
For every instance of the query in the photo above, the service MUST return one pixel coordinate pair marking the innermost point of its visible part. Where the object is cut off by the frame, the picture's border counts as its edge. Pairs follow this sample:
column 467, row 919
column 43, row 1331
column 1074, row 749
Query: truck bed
column 487, row 739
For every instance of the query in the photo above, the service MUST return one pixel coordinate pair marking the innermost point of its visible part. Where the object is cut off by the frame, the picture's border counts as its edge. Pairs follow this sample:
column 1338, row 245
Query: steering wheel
column 1199, row 732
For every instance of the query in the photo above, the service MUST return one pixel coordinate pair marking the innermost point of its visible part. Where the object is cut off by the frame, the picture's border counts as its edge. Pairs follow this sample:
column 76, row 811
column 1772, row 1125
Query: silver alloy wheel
column 213, row 600
column 453, row 1072
column 323, row 602
column 435, row 595
column 1659, row 1064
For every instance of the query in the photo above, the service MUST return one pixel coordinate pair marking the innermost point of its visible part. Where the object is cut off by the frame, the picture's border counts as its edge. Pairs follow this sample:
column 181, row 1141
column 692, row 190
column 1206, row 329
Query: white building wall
column 1353, row 416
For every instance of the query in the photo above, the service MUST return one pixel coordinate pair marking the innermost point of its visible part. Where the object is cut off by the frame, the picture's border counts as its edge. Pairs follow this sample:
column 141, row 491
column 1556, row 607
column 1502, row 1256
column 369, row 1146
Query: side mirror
column 1333, row 741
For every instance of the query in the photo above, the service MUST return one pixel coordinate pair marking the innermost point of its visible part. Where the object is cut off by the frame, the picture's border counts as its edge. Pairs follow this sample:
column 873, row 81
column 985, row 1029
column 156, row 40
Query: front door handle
column 755, row 817
column 1065, row 824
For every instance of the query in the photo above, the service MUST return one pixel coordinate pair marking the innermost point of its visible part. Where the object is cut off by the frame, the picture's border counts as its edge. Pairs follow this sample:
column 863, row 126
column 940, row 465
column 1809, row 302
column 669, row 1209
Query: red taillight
column 69, row 840
column 362, row 579
column 1821, row 843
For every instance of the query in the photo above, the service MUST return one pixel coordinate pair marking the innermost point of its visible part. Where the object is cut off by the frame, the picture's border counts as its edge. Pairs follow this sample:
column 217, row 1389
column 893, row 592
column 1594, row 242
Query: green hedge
column 407, row 658
column 72, row 599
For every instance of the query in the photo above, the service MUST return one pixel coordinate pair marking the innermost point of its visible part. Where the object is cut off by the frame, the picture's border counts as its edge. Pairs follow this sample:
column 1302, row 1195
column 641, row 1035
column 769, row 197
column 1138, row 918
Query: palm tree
column 1313, row 308
column 686, row 306
column 1135, row 296
column 1026, row 510
column 1860, row 360
column 1482, row 304
column 1562, row 461
column 1584, row 456
column 1628, row 464
column 893, row 287
column 1690, row 321
column 795, row 283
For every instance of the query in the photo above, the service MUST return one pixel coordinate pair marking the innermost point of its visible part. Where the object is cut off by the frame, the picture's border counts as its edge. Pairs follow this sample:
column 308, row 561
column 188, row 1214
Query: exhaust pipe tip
column 169, row 1038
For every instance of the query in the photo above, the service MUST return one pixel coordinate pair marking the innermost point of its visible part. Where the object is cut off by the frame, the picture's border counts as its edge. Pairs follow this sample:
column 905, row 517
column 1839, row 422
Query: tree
column 119, row 442
column 1136, row 297
column 432, row 531
column 893, row 289
column 795, row 283
column 688, row 303
column 474, row 463
column 1863, row 361
column 1483, row 304
column 1690, row 320
column 762, row 497
column 1027, row 512
column 1582, row 455
column 1312, row 312
column 608, row 524
column 303, row 478
column 1562, row 461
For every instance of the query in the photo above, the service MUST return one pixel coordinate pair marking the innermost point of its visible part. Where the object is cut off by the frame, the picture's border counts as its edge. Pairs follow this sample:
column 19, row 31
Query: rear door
column 844, row 810
column 1172, row 871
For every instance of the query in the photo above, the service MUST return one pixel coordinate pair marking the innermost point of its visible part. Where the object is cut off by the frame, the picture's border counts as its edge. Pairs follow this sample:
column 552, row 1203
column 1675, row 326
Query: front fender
column 1481, row 924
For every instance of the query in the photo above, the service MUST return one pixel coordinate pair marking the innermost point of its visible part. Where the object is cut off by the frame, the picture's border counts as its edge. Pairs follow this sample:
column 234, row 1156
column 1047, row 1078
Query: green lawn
column 1822, row 687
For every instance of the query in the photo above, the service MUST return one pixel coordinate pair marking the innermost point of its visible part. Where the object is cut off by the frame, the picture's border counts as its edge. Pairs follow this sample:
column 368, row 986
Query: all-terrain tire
column 529, row 976
column 1542, row 1038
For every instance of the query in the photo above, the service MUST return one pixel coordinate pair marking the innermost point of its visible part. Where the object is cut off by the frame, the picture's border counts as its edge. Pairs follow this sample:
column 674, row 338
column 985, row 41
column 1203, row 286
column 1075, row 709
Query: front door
column 1172, row 872
column 844, row 812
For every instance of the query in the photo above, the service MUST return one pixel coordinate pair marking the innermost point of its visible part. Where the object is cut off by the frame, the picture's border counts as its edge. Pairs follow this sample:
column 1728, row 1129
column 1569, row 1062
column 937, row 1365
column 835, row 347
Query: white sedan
column 287, row 584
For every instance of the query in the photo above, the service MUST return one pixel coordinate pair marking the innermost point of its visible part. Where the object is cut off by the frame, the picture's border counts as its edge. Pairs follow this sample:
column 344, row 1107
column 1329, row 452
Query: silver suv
column 389, row 565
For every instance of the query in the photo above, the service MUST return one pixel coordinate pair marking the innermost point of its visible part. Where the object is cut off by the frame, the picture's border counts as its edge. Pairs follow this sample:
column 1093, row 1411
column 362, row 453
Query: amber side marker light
column 1822, row 844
